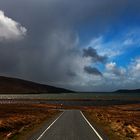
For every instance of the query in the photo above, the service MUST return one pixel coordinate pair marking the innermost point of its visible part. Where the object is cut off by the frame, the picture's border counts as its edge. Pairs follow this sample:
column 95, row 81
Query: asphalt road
column 71, row 125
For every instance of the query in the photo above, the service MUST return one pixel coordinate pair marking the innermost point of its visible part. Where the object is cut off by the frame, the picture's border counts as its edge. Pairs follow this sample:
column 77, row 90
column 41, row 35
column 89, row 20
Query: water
column 86, row 99
column 72, row 96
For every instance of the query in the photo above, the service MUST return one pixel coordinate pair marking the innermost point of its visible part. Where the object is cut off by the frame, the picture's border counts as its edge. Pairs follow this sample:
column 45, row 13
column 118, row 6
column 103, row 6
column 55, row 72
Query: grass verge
column 18, row 121
column 119, row 122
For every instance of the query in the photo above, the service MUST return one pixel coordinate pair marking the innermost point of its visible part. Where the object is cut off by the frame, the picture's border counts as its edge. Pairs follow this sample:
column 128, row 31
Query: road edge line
column 49, row 127
column 91, row 126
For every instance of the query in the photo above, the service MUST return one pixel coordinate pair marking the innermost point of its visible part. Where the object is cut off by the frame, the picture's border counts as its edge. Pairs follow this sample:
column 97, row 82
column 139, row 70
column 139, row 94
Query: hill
column 128, row 91
column 14, row 85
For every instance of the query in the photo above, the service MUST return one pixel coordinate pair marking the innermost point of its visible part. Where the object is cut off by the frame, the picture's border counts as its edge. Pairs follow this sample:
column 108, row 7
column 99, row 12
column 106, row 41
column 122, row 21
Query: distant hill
column 14, row 85
column 128, row 91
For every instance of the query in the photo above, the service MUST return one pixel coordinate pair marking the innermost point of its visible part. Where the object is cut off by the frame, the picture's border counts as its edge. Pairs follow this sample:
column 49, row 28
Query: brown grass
column 15, row 119
column 120, row 122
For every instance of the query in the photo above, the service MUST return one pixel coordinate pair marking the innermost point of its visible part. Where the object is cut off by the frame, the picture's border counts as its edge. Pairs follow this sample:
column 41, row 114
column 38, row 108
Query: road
column 70, row 125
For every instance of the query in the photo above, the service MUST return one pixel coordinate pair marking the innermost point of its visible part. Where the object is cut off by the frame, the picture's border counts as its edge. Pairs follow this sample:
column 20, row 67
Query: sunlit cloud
column 10, row 29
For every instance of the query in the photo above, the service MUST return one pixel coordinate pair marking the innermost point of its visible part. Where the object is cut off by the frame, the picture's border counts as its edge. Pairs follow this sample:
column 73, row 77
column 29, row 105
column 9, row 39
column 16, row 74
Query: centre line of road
column 91, row 126
column 48, row 127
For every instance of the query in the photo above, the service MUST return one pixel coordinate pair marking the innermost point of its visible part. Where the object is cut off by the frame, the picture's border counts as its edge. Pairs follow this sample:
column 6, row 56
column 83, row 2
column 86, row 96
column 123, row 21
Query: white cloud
column 116, row 46
column 132, row 37
column 110, row 49
column 129, row 77
column 10, row 29
column 134, row 68
column 112, row 67
column 115, row 76
column 129, row 41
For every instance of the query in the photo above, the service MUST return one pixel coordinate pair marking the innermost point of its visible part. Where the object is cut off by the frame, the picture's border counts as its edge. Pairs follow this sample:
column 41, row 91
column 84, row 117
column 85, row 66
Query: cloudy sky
column 84, row 45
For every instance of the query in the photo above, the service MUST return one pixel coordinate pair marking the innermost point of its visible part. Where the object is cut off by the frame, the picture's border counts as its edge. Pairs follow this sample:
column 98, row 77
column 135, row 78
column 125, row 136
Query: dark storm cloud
column 92, row 70
column 9, row 62
column 49, row 53
column 91, row 52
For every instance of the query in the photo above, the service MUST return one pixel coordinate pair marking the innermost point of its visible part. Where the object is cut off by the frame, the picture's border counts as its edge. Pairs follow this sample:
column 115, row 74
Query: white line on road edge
column 92, row 126
column 48, row 127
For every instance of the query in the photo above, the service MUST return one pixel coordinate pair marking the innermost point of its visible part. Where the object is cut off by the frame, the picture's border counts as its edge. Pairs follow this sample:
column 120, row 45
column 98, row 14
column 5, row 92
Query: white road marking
column 48, row 127
column 91, row 126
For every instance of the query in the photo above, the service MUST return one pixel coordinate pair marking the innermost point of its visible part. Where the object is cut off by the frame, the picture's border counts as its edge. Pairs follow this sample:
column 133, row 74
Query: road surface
column 70, row 125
